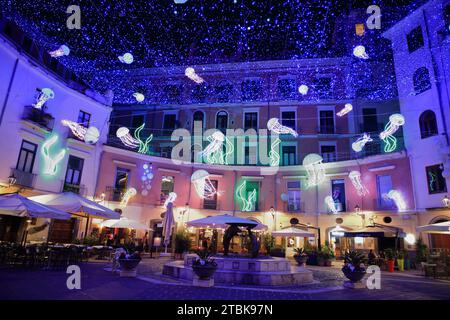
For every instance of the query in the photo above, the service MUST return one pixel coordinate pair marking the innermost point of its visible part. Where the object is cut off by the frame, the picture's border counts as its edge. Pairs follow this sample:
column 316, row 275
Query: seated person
column 371, row 257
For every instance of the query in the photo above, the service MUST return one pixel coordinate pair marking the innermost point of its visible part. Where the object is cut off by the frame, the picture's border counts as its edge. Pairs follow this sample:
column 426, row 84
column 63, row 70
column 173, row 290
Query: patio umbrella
column 441, row 227
column 19, row 206
column 221, row 221
column 76, row 204
column 293, row 232
column 168, row 224
column 124, row 222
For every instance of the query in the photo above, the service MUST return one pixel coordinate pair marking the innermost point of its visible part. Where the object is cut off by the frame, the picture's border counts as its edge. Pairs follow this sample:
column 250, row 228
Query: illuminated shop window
column 435, row 181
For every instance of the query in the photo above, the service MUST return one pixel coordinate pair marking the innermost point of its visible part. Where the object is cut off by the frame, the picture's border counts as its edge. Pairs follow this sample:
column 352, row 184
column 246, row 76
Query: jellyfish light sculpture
column 130, row 193
column 274, row 156
column 303, row 89
column 360, row 52
column 275, row 126
column 143, row 145
column 398, row 199
column 203, row 185
column 51, row 162
column 315, row 170
column 395, row 122
column 191, row 74
column 170, row 199
column 347, row 108
column 248, row 201
column 44, row 95
column 123, row 133
column 126, row 58
column 215, row 144
column 77, row 129
column 359, row 144
column 330, row 204
column 355, row 178
column 63, row 50
column 139, row 96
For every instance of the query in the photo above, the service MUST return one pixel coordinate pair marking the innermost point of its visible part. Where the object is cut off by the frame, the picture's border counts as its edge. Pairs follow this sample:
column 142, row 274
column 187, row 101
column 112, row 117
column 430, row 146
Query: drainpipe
column 9, row 90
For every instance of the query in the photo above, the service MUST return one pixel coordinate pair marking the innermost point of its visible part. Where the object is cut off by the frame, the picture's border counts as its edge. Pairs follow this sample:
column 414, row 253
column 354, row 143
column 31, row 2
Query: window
column 251, row 90
column 328, row 153
column 370, row 121
column 447, row 18
column 288, row 119
column 384, row 185
column 287, row 89
column 289, row 155
column 198, row 116
column 211, row 203
column 27, row 155
column 73, row 174
column 171, row 93
column 415, row 39
column 137, row 120
column 428, row 125
column 250, row 120
column 84, row 118
column 294, row 204
column 224, row 92
column 250, row 186
column 338, row 194
column 250, row 154
column 222, row 121
column 199, row 93
column 121, row 183
column 322, row 87
column 167, row 185
column 421, row 80
column 169, row 122
column 435, row 180
column 326, row 120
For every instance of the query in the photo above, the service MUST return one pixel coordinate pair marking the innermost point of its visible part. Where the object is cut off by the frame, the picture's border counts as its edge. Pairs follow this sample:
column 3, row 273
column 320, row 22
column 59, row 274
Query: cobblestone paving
column 99, row 284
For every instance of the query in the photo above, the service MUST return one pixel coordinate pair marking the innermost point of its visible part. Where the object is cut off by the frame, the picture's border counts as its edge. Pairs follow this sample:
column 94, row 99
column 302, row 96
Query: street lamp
column 446, row 201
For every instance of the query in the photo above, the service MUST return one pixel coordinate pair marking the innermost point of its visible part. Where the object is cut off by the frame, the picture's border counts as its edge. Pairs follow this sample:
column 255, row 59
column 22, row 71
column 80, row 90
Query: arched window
column 421, row 80
column 222, row 121
column 198, row 116
column 428, row 125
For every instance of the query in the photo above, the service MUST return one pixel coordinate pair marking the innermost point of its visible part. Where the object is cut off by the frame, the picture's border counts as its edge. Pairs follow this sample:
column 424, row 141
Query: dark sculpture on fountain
column 233, row 230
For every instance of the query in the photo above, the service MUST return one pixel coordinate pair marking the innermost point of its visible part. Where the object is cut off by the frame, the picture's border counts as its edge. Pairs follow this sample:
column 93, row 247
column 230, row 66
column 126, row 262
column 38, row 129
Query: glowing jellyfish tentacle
column 314, row 169
column 51, row 163
column 63, row 50
column 215, row 144
column 347, row 108
column 130, row 193
column 273, row 154
column 247, row 202
column 396, row 120
column 359, row 144
column 390, row 144
column 251, row 199
column 123, row 133
column 330, row 204
column 191, row 74
column 355, row 178
column 229, row 150
column 77, row 129
column 275, row 126
column 397, row 197
column 44, row 95
column 432, row 180
column 143, row 145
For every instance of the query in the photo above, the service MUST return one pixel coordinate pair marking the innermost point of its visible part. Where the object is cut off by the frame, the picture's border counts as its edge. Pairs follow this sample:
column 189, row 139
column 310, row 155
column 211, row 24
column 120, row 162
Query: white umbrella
column 124, row 222
column 293, row 232
column 441, row 227
column 19, row 206
column 221, row 221
column 167, row 224
column 74, row 203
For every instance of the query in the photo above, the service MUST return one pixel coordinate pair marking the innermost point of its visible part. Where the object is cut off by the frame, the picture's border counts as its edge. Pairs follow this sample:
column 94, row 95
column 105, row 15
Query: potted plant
column 327, row 255
column 278, row 251
column 407, row 260
column 353, row 268
column 128, row 264
column 204, row 266
column 390, row 259
column 421, row 252
column 268, row 242
column 300, row 256
column 182, row 243
column 401, row 260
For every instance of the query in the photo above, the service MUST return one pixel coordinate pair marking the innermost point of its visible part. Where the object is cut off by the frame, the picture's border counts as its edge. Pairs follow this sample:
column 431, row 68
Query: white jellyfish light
column 126, row 58
column 215, row 144
column 347, row 108
column 314, row 169
column 77, row 129
column 275, row 126
column 63, row 50
column 123, row 133
column 355, row 178
column 203, row 185
column 396, row 120
column 330, row 204
column 170, row 199
column 397, row 197
column 130, row 193
column 139, row 96
column 303, row 89
column 359, row 144
column 191, row 74
column 360, row 52
column 45, row 94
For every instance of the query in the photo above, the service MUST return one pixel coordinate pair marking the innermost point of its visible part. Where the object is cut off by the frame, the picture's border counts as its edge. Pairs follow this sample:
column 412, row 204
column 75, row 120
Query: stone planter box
column 204, row 272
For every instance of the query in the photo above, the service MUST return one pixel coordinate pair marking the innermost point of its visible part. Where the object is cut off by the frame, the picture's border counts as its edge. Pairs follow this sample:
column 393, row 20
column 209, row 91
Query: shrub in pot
column 390, row 259
column 327, row 255
column 129, row 261
column 353, row 268
column 182, row 243
column 300, row 256
column 268, row 243
column 204, row 266
column 401, row 260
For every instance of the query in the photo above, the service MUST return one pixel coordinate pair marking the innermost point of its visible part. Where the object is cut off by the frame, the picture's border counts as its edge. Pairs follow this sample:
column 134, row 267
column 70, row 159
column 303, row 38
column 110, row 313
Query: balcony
column 326, row 130
column 38, row 117
column 382, row 204
column 78, row 189
column 114, row 194
column 23, row 179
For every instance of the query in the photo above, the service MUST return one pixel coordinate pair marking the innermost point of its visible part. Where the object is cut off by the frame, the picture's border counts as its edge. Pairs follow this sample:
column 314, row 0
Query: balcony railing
column 22, row 178
column 114, row 194
column 38, row 117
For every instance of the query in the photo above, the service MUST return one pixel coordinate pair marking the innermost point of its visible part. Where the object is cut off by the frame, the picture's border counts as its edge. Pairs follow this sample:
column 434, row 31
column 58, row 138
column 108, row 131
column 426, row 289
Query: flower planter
column 301, row 260
column 204, row 272
column 390, row 265
column 355, row 275
column 128, row 267
column 401, row 264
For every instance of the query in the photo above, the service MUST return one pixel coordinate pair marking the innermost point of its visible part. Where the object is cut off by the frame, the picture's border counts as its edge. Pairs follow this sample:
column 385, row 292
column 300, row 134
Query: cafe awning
column 221, row 221
column 124, row 223
column 374, row 232
column 293, row 232
column 441, row 227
